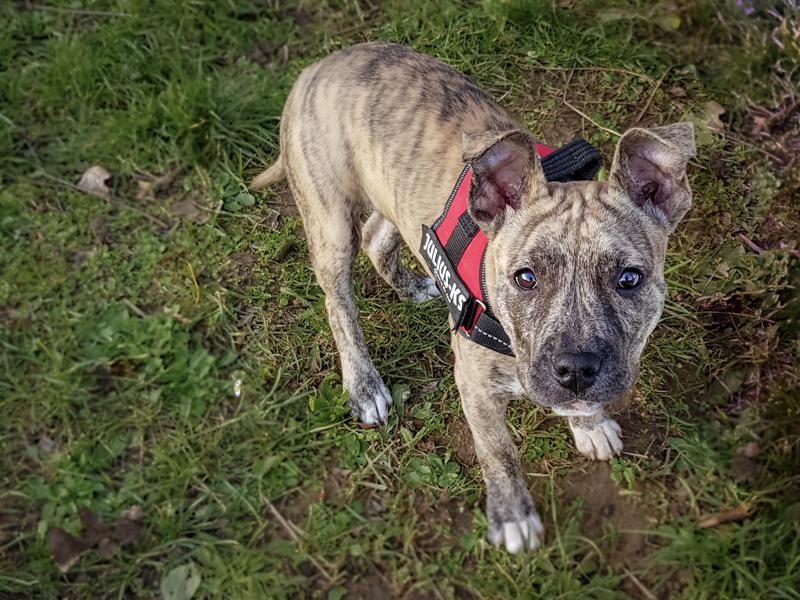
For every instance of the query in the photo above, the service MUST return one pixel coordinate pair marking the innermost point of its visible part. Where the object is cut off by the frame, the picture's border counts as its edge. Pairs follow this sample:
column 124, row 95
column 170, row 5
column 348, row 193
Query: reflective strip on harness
column 454, row 246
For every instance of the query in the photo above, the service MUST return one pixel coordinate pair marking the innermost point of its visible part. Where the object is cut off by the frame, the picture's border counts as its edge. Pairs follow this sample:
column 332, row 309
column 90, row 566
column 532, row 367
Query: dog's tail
column 273, row 174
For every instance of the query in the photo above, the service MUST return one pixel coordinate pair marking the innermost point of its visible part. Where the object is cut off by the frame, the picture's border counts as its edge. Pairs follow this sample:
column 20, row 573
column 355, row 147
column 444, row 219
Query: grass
column 126, row 322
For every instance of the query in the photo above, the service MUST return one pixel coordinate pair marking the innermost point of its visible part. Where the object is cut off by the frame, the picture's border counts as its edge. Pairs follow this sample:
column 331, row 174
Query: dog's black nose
column 577, row 371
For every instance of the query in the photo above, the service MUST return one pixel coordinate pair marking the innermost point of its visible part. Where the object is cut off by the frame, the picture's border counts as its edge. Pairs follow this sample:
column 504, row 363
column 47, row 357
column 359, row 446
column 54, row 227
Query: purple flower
column 746, row 6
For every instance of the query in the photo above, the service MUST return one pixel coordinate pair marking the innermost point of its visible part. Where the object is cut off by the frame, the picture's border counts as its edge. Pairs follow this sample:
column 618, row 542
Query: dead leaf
column 181, row 582
column 713, row 112
column 93, row 181
column 134, row 513
column 725, row 516
column 744, row 466
column 271, row 219
column 94, row 529
column 188, row 209
column 750, row 450
column 144, row 189
column 66, row 549
column 127, row 531
column 677, row 91
column 745, row 469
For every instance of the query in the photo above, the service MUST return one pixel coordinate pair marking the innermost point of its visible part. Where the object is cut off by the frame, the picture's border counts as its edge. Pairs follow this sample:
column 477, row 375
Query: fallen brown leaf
column 188, row 209
column 93, row 181
column 714, row 111
column 725, row 516
column 134, row 513
column 127, row 531
column 94, row 529
column 750, row 450
column 66, row 548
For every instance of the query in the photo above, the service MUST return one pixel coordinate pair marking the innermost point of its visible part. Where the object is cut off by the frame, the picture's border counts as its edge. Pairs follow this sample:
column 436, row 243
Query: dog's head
column 576, row 270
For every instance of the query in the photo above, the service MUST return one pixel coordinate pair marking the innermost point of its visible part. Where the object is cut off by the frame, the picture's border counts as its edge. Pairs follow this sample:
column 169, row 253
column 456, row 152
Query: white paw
column 426, row 290
column 369, row 403
column 526, row 533
column 600, row 443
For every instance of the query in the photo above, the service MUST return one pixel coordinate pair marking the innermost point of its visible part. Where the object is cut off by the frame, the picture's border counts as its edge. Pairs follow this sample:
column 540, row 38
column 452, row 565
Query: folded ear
column 650, row 168
column 505, row 168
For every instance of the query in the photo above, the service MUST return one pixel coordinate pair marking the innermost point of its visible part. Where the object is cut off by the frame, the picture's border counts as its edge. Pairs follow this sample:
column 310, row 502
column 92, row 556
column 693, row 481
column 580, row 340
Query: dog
column 372, row 139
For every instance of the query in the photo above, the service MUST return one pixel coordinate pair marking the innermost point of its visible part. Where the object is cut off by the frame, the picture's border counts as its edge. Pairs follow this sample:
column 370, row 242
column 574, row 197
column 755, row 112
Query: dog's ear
column 650, row 168
column 505, row 168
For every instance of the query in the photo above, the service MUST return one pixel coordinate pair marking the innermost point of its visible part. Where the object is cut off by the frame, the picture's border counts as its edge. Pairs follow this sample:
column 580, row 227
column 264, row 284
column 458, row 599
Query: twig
column 647, row 593
column 127, row 205
column 590, row 119
column 294, row 537
column 656, row 87
column 604, row 69
column 725, row 516
column 134, row 309
column 750, row 243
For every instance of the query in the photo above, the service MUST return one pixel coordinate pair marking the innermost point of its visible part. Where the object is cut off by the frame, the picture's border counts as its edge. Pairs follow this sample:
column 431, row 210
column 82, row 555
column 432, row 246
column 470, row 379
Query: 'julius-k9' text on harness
column 454, row 246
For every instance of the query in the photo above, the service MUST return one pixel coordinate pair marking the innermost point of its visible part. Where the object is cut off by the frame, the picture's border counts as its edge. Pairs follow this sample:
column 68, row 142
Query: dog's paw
column 602, row 442
column 513, row 521
column 369, row 400
column 524, row 534
column 425, row 290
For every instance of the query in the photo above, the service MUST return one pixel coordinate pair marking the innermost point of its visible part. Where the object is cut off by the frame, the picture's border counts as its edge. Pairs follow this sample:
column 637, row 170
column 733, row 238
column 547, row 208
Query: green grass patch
column 167, row 347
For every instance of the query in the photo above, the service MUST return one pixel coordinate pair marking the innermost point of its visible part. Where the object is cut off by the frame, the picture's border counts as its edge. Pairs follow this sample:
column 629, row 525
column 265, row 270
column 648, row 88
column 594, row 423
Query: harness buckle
column 467, row 317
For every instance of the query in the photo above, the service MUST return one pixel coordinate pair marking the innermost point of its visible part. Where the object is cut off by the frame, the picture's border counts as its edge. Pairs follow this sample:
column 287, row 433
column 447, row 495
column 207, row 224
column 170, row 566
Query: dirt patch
column 281, row 199
column 566, row 124
column 607, row 511
column 241, row 268
column 641, row 436
column 777, row 128
column 459, row 438
column 431, row 513
column 367, row 587
column 292, row 513
column 778, row 229
column 336, row 480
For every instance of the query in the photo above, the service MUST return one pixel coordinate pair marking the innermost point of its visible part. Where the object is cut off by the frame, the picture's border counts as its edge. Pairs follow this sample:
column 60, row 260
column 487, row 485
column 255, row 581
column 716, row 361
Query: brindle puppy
column 380, row 129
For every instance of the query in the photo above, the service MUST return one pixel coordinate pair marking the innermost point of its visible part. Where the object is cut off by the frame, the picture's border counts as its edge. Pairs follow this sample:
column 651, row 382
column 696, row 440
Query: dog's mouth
column 578, row 408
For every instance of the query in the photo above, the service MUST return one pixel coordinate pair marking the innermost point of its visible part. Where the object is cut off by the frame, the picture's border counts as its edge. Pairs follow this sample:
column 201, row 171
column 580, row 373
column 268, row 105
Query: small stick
column 294, row 537
column 602, row 69
column 592, row 121
column 647, row 593
column 656, row 87
column 750, row 243
column 134, row 309
column 725, row 516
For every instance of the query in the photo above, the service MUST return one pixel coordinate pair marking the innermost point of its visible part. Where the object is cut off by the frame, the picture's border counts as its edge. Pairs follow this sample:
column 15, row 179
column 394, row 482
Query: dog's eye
column 629, row 279
column 525, row 279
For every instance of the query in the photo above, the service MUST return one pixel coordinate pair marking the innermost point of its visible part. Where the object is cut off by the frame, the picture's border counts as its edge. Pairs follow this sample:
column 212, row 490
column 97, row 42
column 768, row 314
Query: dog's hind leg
column 333, row 232
column 382, row 242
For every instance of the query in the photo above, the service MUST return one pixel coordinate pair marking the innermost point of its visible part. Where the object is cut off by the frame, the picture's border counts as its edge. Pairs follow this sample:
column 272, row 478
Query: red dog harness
column 454, row 247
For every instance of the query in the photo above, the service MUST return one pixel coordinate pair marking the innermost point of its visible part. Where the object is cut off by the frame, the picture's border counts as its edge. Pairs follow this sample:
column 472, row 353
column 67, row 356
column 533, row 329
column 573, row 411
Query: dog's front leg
column 512, row 518
column 598, row 436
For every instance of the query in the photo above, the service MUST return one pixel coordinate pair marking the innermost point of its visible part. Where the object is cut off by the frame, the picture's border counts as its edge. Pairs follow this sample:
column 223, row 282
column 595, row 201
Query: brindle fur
column 380, row 130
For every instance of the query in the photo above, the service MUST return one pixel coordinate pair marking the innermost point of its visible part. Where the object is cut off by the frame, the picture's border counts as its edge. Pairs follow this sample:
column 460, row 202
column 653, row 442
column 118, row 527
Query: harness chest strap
column 454, row 246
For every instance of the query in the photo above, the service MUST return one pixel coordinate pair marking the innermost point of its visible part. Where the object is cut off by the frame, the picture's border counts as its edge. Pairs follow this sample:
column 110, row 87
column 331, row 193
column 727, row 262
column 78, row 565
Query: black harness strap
column 488, row 332
column 575, row 161
column 460, row 238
